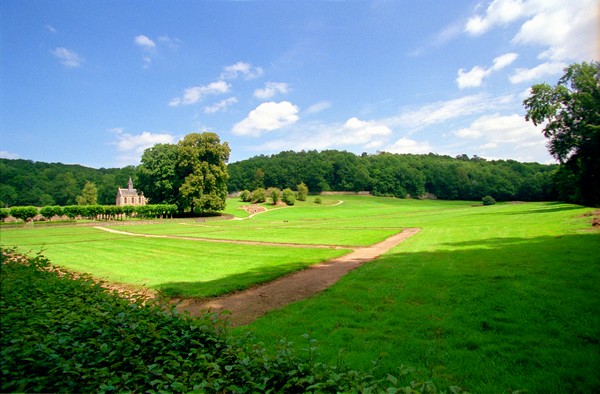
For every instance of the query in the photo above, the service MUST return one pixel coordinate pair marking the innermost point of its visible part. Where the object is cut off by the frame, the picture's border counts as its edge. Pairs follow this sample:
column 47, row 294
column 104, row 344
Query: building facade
column 130, row 196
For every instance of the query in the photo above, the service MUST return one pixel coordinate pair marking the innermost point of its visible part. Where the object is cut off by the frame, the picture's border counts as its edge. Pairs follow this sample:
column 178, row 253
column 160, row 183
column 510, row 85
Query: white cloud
column 499, row 12
column 563, row 31
column 271, row 89
column 267, row 116
column 144, row 42
column 318, row 107
column 67, row 57
column 221, row 105
column 359, row 132
column 132, row 146
column 521, row 75
column 406, row 145
column 443, row 111
column 498, row 129
column 196, row 93
column 241, row 68
column 51, row 29
column 9, row 155
column 474, row 77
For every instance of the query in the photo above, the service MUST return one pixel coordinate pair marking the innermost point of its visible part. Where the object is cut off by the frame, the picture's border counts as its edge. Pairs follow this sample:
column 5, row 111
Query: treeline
column 25, row 182
column 386, row 174
column 102, row 212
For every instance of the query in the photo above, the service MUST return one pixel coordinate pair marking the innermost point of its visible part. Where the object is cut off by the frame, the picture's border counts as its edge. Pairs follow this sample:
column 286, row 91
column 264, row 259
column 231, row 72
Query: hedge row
column 91, row 211
column 65, row 333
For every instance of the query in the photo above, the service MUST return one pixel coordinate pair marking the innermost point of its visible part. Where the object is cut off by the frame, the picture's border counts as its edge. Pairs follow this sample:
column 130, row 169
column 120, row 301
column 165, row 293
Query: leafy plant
column 488, row 200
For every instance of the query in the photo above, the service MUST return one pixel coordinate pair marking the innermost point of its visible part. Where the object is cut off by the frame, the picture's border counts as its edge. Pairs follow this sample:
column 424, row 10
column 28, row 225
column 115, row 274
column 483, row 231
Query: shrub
column 24, row 213
column 318, row 200
column 288, row 196
column 488, row 200
column 245, row 196
column 274, row 193
column 4, row 213
column 49, row 211
column 302, row 191
column 259, row 195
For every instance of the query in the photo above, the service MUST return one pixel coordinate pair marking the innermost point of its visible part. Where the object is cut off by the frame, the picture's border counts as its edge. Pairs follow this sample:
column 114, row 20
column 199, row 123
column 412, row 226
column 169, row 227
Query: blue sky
column 97, row 82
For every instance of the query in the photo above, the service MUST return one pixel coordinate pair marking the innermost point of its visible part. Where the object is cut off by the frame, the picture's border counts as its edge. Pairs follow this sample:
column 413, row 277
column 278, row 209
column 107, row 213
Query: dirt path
column 248, row 305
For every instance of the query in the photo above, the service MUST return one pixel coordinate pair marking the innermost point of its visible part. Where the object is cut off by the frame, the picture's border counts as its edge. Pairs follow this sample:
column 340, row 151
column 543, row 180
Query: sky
column 97, row 82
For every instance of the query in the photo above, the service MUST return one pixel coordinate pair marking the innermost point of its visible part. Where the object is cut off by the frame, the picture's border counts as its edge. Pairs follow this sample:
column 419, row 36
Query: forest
column 395, row 175
column 25, row 182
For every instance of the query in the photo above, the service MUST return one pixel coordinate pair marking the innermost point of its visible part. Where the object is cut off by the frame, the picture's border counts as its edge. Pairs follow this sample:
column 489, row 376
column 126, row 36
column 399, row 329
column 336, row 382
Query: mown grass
column 492, row 299
column 178, row 267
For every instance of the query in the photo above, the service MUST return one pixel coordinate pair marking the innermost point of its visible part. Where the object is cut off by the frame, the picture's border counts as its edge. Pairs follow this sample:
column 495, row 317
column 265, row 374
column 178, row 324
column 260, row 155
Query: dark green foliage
column 488, row 200
column 387, row 174
column 4, row 213
column 157, row 175
column 288, row 196
column 49, row 211
column 65, row 333
column 571, row 119
column 25, row 182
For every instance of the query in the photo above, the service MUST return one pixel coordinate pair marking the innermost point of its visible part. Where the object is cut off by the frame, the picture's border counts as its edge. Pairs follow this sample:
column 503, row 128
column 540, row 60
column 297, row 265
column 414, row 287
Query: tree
column 201, row 164
column 157, row 174
column 570, row 113
column 288, row 196
column 89, row 195
column 302, row 191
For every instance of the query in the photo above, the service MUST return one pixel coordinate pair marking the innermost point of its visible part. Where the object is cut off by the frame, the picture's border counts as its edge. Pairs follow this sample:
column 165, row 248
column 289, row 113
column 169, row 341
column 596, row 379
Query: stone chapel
column 130, row 196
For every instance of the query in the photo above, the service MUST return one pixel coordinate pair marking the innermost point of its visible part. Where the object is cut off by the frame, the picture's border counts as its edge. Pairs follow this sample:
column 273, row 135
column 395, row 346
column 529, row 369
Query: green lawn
column 492, row 299
column 179, row 267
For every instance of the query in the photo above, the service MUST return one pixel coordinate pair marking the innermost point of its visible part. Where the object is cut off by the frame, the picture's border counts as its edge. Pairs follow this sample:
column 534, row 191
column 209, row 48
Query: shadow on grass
column 230, row 283
column 519, row 313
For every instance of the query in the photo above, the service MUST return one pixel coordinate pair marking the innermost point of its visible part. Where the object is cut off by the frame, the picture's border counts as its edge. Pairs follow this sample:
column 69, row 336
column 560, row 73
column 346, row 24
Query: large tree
column 570, row 114
column 157, row 174
column 202, row 165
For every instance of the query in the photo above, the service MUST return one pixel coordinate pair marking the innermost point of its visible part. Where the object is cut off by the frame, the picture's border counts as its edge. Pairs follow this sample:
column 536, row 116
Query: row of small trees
column 104, row 212
column 286, row 195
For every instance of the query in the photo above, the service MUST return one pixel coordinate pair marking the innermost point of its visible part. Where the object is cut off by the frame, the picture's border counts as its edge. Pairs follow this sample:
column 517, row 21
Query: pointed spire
column 130, row 185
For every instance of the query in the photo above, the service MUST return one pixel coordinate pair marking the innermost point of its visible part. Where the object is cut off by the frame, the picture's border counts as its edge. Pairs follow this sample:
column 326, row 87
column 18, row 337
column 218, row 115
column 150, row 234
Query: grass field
column 493, row 299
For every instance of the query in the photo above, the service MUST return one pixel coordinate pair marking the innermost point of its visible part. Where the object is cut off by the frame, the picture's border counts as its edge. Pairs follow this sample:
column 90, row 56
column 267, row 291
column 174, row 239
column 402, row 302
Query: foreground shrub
column 245, row 196
column 488, row 200
column 64, row 333
column 302, row 191
column 318, row 200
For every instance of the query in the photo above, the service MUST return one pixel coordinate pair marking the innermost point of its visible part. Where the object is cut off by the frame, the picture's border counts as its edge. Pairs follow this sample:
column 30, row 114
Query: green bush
column 65, row 333
column 4, row 213
column 288, row 196
column 259, row 195
column 49, row 211
column 24, row 213
column 488, row 200
column 275, row 194
column 318, row 200
column 245, row 196
column 302, row 191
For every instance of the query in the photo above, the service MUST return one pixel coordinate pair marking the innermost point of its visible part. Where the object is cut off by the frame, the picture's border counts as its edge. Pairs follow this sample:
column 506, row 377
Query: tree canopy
column 570, row 113
column 192, row 174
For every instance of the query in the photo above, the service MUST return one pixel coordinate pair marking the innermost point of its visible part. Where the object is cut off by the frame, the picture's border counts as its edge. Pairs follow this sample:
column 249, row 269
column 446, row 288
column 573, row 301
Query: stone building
column 130, row 196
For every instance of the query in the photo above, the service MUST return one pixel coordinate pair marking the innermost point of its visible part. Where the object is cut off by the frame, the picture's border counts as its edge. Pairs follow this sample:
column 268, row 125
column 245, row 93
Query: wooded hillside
column 387, row 174
column 25, row 182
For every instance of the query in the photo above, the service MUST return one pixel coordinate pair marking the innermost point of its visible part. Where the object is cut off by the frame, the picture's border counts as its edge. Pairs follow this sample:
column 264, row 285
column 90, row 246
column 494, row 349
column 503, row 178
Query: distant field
column 492, row 299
